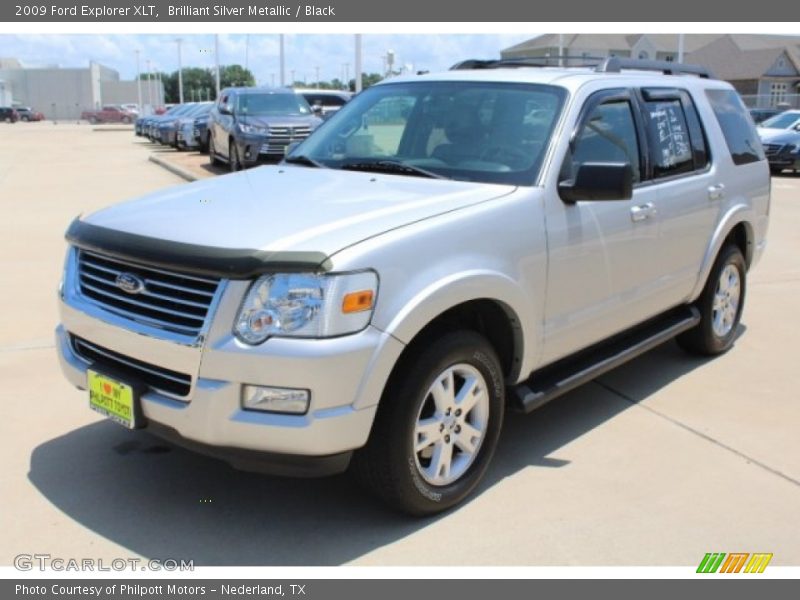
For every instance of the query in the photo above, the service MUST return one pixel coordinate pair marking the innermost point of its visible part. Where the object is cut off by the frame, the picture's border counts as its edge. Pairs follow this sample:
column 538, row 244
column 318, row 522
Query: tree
column 235, row 76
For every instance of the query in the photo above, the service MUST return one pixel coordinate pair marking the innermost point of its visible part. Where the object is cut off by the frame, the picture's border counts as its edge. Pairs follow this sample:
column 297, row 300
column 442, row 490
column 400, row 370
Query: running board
column 567, row 374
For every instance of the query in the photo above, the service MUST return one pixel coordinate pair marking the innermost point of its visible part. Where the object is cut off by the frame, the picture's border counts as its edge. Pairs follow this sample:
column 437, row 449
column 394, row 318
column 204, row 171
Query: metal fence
column 779, row 101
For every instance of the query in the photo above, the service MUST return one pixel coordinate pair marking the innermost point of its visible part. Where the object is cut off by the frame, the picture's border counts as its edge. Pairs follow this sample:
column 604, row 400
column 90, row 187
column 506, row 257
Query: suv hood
column 290, row 209
column 282, row 120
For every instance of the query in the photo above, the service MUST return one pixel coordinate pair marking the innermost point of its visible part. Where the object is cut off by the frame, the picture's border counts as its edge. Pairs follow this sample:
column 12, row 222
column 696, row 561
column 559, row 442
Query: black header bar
column 449, row 11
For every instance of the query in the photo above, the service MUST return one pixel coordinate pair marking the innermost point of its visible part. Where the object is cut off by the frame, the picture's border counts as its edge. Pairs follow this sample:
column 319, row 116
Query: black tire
column 388, row 465
column 93, row 120
column 776, row 170
column 234, row 162
column 126, row 120
column 204, row 144
column 703, row 339
column 212, row 152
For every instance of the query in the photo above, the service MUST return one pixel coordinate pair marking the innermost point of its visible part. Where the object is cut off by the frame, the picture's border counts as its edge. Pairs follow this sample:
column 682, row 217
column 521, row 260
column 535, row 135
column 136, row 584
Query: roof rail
column 601, row 64
column 614, row 64
column 534, row 61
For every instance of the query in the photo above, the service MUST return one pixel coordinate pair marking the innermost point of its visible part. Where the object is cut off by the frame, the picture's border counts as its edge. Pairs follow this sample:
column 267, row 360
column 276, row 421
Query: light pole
column 283, row 62
column 180, row 71
column 292, row 81
column 149, row 84
column 139, row 84
column 316, row 69
column 358, row 62
column 272, row 78
column 246, row 51
column 216, row 61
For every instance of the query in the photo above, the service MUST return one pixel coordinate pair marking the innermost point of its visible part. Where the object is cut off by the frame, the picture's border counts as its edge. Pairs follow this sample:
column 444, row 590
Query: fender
column 436, row 299
column 738, row 213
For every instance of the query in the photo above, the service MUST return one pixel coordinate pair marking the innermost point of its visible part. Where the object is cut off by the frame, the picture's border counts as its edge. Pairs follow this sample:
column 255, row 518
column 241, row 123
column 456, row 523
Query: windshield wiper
column 302, row 159
column 391, row 166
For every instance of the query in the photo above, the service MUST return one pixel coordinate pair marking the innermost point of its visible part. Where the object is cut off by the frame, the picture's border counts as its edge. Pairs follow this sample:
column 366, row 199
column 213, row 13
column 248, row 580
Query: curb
column 127, row 128
column 174, row 169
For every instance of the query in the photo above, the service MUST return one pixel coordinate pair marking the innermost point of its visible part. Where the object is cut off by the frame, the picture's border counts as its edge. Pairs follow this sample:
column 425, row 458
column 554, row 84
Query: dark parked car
column 249, row 124
column 169, row 126
column 783, row 152
column 200, row 133
column 26, row 113
column 8, row 114
column 152, row 130
column 762, row 114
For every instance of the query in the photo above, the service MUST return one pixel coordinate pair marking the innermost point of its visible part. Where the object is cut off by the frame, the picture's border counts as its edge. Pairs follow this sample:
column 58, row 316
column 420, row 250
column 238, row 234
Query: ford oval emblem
column 130, row 283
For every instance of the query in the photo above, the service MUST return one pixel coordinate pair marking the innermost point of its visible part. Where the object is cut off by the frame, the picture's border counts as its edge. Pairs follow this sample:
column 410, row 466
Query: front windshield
column 474, row 131
column 271, row 104
column 781, row 121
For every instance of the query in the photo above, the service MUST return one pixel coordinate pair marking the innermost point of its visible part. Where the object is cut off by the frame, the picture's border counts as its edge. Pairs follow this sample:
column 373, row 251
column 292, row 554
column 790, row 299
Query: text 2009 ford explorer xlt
column 443, row 246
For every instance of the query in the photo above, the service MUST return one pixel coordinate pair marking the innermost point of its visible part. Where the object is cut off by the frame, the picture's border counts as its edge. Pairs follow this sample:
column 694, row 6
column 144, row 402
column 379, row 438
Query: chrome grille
column 168, row 300
column 282, row 136
column 156, row 378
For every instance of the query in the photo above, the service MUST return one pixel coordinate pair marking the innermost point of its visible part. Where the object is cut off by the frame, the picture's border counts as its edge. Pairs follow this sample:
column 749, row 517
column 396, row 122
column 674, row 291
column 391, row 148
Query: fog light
column 275, row 399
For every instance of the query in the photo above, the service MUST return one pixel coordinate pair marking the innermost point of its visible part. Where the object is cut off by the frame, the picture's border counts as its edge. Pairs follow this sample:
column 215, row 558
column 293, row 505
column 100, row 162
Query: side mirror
column 225, row 109
column 598, row 181
column 797, row 127
column 316, row 109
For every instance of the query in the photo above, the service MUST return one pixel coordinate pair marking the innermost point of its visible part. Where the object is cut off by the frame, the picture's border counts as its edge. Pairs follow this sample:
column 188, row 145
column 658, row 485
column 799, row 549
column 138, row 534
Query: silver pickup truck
column 444, row 247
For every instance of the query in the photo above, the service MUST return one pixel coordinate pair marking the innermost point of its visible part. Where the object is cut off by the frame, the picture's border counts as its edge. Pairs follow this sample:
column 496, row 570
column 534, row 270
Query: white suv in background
column 443, row 247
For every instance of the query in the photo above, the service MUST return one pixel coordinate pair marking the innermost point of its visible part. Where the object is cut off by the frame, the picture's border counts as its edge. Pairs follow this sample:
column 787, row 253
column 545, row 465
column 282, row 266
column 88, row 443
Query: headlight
column 245, row 128
column 307, row 305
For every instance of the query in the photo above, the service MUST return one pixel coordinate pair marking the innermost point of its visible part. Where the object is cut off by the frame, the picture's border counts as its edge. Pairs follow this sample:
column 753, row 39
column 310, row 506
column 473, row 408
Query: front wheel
column 720, row 306
column 212, row 152
column 437, row 426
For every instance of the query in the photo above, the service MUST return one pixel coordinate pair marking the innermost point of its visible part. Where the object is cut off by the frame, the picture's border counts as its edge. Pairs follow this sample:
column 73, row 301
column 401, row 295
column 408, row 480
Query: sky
column 304, row 52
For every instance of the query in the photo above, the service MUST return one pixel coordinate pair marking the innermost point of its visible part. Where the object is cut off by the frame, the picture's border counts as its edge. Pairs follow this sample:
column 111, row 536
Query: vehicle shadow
column 161, row 501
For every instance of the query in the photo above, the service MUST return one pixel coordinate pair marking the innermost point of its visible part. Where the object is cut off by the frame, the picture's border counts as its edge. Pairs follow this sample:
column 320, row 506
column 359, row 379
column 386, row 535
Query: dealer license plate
column 111, row 398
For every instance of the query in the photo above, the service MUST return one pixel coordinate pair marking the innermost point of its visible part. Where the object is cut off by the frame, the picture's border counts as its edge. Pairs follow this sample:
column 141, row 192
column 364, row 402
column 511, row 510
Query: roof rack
column 601, row 64
column 534, row 61
column 614, row 64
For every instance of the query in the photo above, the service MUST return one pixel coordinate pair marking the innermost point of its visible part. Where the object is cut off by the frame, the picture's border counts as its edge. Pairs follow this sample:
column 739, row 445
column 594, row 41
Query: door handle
column 716, row 192
column 643, row 211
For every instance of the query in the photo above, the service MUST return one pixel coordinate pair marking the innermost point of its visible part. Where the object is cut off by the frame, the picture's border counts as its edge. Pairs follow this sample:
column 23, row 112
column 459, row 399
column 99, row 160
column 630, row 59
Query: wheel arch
column 735, row 227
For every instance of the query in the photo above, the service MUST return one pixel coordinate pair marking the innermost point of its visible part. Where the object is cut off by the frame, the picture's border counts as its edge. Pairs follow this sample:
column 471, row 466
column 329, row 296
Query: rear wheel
column 437, row 426
column 720, row 306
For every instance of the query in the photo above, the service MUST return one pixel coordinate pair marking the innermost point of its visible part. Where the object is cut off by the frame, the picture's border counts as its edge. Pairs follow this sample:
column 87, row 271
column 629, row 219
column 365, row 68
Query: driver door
column 600, row 275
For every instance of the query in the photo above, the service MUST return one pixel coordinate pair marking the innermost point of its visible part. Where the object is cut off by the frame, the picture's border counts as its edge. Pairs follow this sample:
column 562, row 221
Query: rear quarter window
column 737, row 127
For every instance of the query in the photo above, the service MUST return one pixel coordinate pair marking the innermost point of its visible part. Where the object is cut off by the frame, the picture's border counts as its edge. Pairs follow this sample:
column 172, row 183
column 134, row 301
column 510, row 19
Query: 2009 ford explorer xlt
column 443, row 247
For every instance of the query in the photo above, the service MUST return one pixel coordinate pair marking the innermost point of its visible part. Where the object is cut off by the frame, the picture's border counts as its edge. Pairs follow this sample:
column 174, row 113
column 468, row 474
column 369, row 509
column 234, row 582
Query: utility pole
column 180, row 71
column 680, row 47
column 291, row 83
column 139, row 84
column 246, row 51
column 358, row 63
column 317, row 72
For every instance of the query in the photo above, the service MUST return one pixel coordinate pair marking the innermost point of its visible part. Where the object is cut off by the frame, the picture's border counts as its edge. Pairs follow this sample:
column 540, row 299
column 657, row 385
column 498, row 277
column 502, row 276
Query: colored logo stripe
column 735, row 561
column 758, row 563
column 711, row 562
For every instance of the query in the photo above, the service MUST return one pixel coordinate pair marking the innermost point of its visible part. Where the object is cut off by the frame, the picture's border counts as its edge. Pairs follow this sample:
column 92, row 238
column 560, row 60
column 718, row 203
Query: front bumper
column 344, row 375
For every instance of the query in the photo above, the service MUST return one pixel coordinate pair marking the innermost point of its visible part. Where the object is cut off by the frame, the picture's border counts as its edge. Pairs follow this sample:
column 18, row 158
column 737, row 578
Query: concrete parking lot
column 656, row 463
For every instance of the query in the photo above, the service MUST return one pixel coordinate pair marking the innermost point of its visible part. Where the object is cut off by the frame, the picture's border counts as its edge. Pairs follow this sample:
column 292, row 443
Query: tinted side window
column 669, row 138
column 736, row 125
column 609, row 135
column 696, row 133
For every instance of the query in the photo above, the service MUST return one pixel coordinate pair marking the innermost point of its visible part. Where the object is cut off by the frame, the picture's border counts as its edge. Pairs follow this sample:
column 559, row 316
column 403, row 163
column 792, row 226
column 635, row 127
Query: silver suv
column 444, row 247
